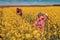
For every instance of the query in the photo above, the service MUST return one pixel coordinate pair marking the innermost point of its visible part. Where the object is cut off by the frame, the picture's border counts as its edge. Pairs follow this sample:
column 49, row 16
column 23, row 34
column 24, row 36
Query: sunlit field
column 15, row 27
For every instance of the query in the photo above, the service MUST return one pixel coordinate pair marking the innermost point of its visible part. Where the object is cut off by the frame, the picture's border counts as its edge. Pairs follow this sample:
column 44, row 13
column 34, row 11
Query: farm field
column 15, row 27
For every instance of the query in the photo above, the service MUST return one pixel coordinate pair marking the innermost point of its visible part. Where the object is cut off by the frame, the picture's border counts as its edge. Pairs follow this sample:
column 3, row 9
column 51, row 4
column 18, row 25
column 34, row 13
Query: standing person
column 40, row 22
column 19, row 11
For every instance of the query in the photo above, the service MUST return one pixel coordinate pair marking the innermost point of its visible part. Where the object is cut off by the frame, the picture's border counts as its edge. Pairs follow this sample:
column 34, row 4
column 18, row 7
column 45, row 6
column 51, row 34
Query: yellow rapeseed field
column 15, row 27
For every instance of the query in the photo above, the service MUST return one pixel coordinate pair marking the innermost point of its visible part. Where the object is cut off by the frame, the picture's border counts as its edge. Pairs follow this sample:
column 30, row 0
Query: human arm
column 47, row 17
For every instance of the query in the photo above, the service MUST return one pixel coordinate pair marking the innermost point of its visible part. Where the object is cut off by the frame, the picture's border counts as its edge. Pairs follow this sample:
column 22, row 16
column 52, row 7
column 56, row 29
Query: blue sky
column 29, row 2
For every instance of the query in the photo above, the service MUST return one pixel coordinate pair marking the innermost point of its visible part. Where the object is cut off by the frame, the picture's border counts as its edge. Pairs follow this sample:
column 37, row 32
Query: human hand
column 46, row 14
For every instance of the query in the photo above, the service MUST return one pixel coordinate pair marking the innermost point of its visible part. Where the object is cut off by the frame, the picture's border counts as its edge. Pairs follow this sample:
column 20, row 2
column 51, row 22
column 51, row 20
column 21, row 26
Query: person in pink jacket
column 40, row 22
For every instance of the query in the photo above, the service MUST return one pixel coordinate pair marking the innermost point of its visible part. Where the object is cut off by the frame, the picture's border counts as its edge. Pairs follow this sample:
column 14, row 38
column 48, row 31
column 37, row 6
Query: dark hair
column 1, row 37
column 40, row 14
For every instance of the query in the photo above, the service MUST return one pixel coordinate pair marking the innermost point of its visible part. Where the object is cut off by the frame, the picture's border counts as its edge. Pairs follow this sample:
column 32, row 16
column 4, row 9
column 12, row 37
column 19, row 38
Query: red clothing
column 19, row 11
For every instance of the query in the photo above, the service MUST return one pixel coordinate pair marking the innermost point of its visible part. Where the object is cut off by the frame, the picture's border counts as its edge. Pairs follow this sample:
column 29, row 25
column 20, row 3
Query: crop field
column 15, row 27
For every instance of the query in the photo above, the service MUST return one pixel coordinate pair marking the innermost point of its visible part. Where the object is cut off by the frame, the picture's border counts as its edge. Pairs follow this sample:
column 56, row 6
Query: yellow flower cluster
column 14, row 27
